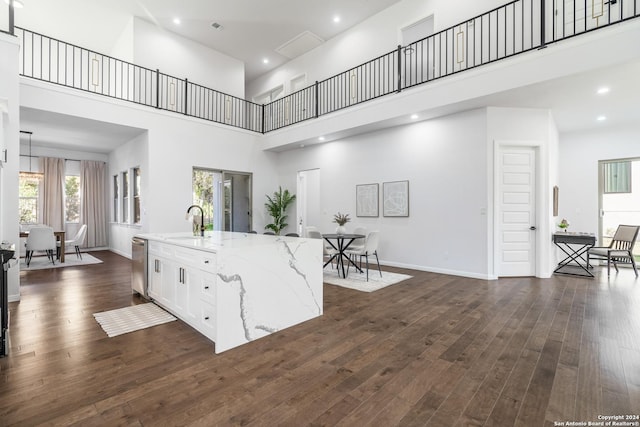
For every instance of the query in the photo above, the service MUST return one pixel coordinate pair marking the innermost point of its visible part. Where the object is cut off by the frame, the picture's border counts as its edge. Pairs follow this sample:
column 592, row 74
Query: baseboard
column 468, row 274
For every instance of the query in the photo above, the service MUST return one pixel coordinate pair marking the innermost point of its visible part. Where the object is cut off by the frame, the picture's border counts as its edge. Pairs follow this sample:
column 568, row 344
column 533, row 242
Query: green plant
column 341, row 219
column 277, row 206
column 564, row 224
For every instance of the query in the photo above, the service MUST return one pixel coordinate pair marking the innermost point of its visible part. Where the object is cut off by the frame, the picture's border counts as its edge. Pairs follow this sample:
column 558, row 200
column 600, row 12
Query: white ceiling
column 253, row 29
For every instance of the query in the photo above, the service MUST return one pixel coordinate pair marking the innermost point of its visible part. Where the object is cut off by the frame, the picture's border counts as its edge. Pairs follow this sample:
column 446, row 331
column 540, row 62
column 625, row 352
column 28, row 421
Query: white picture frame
column 367, row 200
column 395, row 199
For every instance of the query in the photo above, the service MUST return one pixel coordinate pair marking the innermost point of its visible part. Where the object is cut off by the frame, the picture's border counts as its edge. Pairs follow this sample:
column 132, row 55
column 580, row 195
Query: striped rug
column 133, row 318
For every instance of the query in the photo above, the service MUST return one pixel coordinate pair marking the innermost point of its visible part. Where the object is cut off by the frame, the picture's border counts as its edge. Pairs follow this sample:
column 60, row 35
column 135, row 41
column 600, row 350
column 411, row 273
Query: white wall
column 528, row 127
column 10, row 111
column 177, row 56
column 130, row 155
column 96, row 26
column 579, row 154
column 110, row 31
column 176, row 144
column 377, row 35
column 445, row 162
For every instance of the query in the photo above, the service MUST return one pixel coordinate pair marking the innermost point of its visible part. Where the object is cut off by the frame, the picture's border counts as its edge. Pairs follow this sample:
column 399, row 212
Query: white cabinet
column 184, row 282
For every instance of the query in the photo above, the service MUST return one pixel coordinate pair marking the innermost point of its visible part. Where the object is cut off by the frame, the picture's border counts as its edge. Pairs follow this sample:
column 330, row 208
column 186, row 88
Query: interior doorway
column 619, row 197
column 308, row 200
column 516, row 211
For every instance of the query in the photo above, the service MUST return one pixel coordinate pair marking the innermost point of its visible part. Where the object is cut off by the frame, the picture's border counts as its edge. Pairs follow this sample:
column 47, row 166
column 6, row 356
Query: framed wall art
column 395, row 198
column 367, row 200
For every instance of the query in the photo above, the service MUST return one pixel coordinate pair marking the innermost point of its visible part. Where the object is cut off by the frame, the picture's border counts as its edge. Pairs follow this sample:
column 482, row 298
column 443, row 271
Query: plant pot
column 341, row 230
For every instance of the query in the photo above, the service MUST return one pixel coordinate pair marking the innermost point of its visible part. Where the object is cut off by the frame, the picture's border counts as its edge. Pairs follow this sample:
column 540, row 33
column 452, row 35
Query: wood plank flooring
column 434, row 350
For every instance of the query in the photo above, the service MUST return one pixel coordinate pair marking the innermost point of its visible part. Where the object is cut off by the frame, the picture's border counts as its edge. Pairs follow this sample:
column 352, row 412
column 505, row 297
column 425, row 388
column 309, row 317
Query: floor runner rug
column 133, row 318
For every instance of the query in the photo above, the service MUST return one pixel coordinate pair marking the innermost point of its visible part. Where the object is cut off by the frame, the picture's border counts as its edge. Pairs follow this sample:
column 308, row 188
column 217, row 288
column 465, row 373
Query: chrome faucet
column 201, row 218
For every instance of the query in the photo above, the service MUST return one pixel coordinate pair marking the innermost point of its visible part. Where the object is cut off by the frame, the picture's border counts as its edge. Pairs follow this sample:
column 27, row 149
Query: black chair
column 269, row 233
column 619, row 251
column 252, row 232
column 292, row 235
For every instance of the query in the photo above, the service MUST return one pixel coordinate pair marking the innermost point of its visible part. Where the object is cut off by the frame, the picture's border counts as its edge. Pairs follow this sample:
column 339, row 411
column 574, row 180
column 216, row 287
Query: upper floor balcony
column 519, row 43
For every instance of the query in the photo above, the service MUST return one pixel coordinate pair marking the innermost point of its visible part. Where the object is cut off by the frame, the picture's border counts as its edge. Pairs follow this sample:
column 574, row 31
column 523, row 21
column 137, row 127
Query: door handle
column 533, row 228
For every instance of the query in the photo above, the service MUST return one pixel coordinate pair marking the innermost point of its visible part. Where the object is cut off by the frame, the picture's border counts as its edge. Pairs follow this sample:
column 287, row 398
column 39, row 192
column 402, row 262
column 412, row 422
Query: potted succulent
column 564, row 224
column 341, row 220
column 277, row 206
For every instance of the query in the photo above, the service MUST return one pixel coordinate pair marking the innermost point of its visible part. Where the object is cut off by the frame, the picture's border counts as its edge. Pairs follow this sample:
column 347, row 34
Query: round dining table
column 342, row 243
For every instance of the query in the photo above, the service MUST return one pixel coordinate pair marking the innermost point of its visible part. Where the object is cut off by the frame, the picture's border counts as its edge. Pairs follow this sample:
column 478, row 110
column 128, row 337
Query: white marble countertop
column 214, row 241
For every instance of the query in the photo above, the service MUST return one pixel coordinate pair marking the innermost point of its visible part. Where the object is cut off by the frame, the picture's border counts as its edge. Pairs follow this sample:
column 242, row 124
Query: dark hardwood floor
column 435, row 350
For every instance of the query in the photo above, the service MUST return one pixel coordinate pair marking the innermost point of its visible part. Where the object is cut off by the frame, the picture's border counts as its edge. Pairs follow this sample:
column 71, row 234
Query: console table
column 575, row 247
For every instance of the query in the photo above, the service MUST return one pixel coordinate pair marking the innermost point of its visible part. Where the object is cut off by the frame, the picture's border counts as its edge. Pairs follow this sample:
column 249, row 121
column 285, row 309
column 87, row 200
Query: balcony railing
column 512, row 29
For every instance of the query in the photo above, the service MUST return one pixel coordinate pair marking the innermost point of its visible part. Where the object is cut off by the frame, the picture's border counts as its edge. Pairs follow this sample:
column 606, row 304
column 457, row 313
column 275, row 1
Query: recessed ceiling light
column 336, row 19
column 176, row 21
column 414, row 116
column 601, row 118
column 321, row 138
column 301, row 145
column 265, row 61
column 603, row 90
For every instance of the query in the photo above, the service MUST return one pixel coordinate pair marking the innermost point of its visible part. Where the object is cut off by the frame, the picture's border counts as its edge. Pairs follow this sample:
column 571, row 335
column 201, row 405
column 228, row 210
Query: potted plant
column 341, row 220
column 277, row 206
column 564, row 224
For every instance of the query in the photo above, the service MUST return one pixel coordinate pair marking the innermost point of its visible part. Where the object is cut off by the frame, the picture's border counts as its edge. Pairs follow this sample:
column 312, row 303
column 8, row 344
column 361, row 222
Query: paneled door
column 516, row 211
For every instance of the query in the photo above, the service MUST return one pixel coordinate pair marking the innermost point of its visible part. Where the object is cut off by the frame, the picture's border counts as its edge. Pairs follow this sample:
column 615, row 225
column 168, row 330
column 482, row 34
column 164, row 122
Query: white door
column 308, row 200
column 516, row 211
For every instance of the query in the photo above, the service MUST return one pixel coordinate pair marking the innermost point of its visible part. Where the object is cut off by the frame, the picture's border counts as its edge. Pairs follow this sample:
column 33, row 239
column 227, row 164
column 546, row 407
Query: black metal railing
column 511, row 29
column 54, row 61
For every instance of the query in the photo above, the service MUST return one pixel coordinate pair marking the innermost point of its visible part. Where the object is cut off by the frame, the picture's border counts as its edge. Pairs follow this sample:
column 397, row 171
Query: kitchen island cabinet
column 235, row 287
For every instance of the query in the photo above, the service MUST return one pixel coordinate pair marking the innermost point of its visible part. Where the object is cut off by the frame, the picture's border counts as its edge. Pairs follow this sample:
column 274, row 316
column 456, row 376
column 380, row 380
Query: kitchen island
column 235, row 287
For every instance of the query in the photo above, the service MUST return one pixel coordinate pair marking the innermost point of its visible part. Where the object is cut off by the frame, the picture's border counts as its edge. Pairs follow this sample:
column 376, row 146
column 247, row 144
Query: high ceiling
column 252, row 30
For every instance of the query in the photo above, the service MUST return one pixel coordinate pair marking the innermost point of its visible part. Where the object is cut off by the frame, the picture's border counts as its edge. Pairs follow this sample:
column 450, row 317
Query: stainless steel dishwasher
column 139, row 266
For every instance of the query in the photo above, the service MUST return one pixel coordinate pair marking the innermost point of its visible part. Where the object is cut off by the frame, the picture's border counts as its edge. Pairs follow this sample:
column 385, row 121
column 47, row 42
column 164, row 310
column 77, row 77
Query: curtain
column 52, row 192
column 93, row 205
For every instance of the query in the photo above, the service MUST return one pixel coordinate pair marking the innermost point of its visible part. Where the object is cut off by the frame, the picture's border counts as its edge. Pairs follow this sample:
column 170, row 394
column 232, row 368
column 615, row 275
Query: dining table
column 59, row 237
column 342, row 243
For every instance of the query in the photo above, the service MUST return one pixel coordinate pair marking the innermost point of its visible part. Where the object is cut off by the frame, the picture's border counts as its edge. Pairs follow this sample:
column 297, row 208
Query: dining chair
column 327, row 251
column 40, row 239
column 358, row 244
column 619, row 251
column 269, row 233
column 292, row 235
column 76, row 242
column 370, row 248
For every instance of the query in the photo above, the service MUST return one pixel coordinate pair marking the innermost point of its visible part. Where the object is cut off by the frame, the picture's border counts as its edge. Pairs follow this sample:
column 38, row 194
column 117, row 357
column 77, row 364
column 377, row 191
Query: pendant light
column 30, row 174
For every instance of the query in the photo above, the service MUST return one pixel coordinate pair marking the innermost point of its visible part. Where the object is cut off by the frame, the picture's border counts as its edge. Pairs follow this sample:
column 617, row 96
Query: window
column 72, row 198
column 28, row 195
column 617, row 177
column 136, row 195
column 116, row 195
column 125, row 197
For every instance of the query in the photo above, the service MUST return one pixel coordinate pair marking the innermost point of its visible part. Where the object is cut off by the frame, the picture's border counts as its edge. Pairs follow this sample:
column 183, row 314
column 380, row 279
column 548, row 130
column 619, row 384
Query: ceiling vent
column 217, row 26
column 302, row 43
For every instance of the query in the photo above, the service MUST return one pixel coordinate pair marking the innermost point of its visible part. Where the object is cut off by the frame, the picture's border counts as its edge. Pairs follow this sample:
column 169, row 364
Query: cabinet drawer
column 194, row 258
column 160, row 249
column 208, row 288
column 208, row 320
